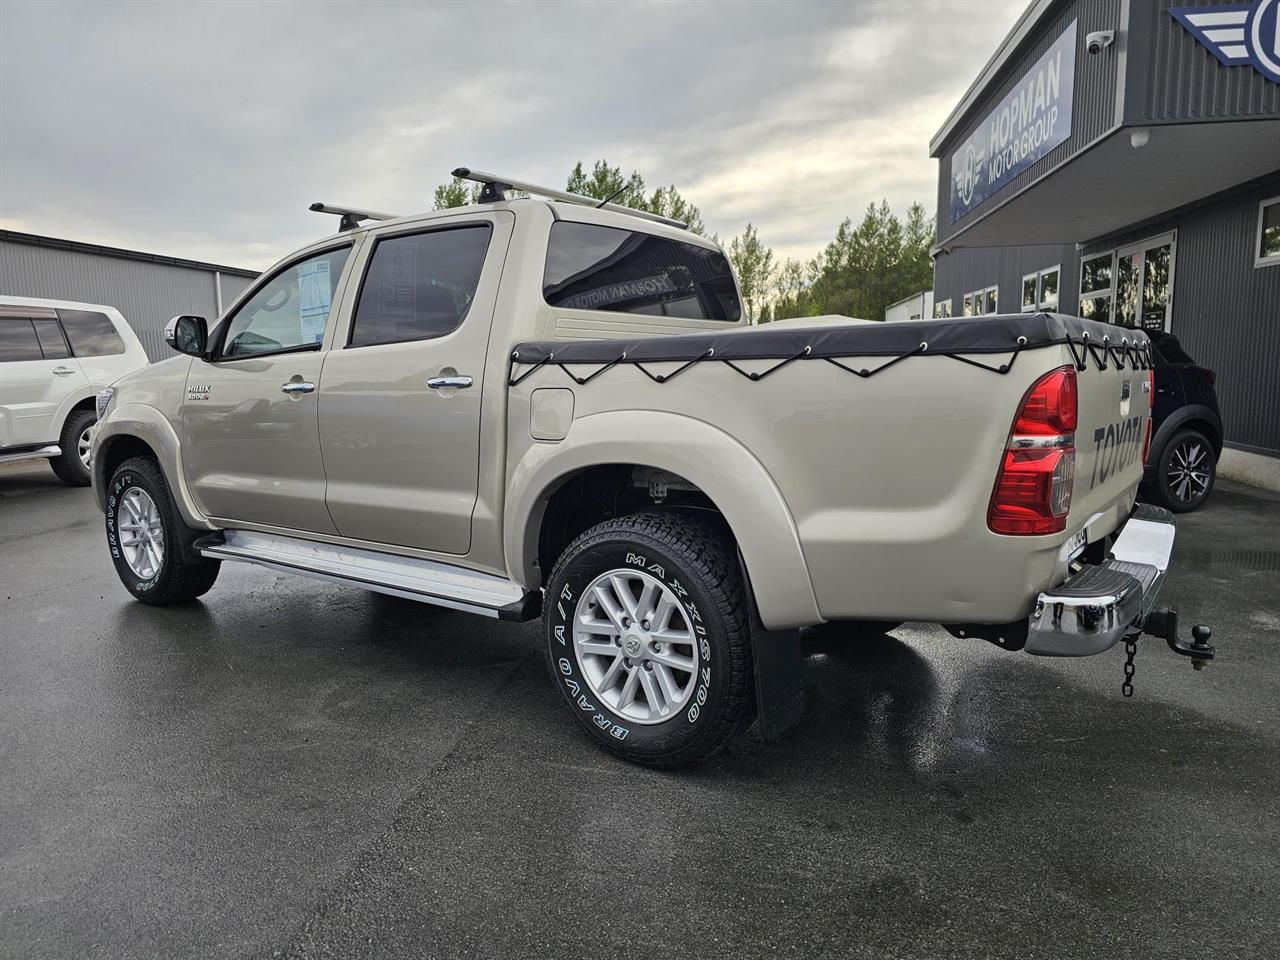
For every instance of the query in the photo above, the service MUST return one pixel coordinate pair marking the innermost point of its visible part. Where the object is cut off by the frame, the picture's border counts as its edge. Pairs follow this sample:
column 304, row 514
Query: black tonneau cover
column 979, row 335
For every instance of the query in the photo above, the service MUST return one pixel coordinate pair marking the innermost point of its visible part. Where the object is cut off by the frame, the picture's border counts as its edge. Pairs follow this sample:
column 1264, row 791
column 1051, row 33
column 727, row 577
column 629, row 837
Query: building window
column 1268, row 233
column 1132, row 286
column 1040, row 290
column 982, row 302
column 1096, row 274
column 942, row 309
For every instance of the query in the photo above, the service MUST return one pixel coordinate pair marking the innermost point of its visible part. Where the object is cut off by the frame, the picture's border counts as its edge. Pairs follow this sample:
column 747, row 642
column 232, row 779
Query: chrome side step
column 415, row 579
column 32, row 453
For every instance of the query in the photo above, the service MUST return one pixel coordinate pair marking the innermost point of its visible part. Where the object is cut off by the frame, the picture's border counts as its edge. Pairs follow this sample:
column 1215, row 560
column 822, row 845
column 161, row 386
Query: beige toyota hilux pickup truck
column 547, row 406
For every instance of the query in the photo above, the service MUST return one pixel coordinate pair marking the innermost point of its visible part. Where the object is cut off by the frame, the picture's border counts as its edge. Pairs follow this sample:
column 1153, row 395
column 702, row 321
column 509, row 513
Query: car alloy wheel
column 635, row 646
column 141, row 533
column 1189, row 470
column 83, row 445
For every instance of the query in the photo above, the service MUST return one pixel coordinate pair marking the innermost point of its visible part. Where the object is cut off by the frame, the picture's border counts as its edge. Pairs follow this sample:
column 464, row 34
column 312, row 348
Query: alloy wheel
column 141, row 533
column 635, row 645
column 83, row 445
column 1189, row 470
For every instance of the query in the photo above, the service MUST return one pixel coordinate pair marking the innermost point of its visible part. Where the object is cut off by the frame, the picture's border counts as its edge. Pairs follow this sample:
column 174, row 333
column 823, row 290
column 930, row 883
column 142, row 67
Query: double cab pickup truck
column 547, row 406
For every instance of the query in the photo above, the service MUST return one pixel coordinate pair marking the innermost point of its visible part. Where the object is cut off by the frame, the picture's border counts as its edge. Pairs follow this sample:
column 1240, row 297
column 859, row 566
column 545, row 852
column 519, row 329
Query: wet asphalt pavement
column 295, row 769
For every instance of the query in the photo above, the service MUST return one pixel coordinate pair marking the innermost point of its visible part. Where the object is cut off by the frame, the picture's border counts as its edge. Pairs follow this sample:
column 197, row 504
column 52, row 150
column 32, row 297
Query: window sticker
column 315, row 297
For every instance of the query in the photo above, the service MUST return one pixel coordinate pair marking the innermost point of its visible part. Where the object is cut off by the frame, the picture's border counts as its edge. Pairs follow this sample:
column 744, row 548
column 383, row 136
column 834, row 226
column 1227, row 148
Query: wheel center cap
column 632, row 646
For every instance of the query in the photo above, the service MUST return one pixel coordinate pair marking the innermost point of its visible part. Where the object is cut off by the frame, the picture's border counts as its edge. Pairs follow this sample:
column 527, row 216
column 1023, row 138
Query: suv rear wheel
column 72, row 467
column 647, row 638
column 1186, row 471
column 148, row 540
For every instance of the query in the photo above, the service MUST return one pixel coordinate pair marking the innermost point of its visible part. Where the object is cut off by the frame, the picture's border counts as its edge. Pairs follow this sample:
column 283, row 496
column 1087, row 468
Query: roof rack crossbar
column 351, row 217
column 493, row 187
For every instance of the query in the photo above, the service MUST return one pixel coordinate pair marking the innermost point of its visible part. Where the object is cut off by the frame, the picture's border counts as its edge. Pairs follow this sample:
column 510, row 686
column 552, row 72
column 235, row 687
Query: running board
column 427, row 581
column 31, row 453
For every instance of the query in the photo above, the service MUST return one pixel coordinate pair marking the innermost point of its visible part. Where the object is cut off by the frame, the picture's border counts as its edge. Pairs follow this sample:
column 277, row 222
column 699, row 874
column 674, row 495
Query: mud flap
column 779, row 677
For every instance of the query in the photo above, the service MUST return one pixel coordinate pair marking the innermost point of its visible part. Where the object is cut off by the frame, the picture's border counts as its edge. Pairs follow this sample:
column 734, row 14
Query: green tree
column 867, row 267
column 457, row 193
column 753, row 263
column 791, row 283
column 605, row 180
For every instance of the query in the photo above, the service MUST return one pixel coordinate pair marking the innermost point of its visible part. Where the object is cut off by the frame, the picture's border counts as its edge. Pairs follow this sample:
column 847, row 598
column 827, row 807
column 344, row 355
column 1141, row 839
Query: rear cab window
column 592, row 267
column 419, row 286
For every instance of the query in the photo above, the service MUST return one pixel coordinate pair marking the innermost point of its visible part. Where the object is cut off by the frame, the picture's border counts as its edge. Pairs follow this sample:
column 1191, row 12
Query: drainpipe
column 217, row 291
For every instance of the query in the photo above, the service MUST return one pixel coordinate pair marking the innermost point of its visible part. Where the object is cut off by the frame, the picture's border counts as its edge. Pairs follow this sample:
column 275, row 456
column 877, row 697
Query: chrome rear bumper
column 1099, row 606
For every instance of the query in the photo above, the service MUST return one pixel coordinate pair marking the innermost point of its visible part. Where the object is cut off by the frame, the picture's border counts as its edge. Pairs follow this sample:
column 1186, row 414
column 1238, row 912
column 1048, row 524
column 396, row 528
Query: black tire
column 697, row 563
column 1175, row 488
column 177, row 579
column 70, row 469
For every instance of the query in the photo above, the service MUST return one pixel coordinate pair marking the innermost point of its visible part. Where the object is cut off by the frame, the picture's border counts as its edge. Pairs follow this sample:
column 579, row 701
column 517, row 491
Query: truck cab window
column 289, row 311
column 624, row 271
column 420, row 286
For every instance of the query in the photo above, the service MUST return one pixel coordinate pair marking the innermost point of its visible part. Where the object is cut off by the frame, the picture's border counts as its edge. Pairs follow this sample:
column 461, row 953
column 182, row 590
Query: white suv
column 55, row 357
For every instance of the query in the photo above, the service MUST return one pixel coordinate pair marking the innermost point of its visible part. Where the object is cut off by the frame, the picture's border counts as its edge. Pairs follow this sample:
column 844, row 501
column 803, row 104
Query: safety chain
column 1138, row 357
column 1130, row 650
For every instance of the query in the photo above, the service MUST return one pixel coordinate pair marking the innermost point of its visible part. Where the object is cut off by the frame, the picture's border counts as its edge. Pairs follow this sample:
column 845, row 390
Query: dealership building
column 1120, row 159
column 147, row 288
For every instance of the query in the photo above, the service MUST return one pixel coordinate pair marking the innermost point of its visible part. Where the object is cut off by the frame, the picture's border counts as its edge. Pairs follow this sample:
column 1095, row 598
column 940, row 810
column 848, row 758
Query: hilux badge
column 1238, row 33
column 198, row 391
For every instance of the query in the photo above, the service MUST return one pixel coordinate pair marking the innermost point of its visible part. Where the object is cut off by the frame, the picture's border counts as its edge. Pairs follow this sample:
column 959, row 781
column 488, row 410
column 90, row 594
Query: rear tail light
column 1210, row 376
column 1032, row 495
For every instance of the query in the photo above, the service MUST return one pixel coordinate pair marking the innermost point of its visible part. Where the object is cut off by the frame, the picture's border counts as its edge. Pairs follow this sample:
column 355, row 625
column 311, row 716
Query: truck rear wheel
column 648, row 639
column 150, row 545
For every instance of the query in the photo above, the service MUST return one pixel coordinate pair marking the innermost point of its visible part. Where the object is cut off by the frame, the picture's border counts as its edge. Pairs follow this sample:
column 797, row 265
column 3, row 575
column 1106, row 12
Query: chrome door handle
column 62, row 372
column 457, row 383
column 293, row 387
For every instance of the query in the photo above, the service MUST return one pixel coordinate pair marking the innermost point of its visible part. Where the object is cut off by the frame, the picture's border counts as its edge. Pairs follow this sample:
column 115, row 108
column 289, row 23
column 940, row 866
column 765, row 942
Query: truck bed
column 884, row 441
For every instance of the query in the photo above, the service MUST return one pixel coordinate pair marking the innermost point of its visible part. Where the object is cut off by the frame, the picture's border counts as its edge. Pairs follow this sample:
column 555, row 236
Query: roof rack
column 351, row 217
column 494, row 186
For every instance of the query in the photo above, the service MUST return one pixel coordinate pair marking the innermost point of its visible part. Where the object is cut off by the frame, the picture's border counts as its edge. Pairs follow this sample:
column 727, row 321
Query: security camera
column 1099, row 40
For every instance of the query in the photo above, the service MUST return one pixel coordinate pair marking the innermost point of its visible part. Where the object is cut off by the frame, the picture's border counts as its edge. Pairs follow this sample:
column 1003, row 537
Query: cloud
column 204, row 130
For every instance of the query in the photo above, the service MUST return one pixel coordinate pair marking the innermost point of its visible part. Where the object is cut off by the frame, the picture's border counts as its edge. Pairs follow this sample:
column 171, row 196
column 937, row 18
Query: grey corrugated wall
column 147, row 293
column 1174, row 78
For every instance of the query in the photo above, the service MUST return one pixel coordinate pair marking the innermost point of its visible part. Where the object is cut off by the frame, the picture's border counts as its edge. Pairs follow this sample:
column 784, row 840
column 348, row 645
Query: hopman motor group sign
column 1032, row 119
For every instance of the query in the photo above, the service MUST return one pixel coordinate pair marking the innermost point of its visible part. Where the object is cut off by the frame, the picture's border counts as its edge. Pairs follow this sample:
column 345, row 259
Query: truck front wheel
column 648, row 639
column 150, row 545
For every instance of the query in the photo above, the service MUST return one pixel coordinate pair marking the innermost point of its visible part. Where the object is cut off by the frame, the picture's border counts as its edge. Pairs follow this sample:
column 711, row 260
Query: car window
column 289, row 311
column 18, row 340
column 419, row 286
column 51, row 341
column 92, row 334
column 605, row 268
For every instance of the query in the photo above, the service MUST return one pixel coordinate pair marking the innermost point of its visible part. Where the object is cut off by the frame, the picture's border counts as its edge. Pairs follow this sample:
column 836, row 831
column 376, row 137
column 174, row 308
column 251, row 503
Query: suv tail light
column 1032, row 495
column 1210, row 376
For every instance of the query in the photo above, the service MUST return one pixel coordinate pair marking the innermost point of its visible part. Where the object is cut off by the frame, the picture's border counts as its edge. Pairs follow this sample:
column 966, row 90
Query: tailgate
column 1114, row 409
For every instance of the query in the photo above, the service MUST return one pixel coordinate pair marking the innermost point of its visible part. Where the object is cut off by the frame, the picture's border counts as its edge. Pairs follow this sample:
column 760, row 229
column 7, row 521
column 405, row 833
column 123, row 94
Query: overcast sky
column 203, row 130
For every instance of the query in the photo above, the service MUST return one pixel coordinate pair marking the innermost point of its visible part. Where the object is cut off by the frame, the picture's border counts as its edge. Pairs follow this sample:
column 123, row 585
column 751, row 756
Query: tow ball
column 1163, row 622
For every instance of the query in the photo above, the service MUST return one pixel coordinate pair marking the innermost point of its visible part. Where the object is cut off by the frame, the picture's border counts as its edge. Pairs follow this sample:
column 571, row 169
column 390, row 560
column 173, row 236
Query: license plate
column 1075, row 546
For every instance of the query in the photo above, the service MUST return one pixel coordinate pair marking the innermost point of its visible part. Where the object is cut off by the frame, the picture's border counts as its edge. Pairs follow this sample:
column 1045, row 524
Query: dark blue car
column 1187, row 439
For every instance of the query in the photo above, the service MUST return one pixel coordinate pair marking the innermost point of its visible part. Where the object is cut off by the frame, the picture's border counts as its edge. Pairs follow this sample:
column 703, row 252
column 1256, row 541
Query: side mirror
column 187, row 334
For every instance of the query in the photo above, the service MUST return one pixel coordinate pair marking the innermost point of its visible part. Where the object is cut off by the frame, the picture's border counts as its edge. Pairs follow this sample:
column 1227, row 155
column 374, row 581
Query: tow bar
column 1163, row 622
